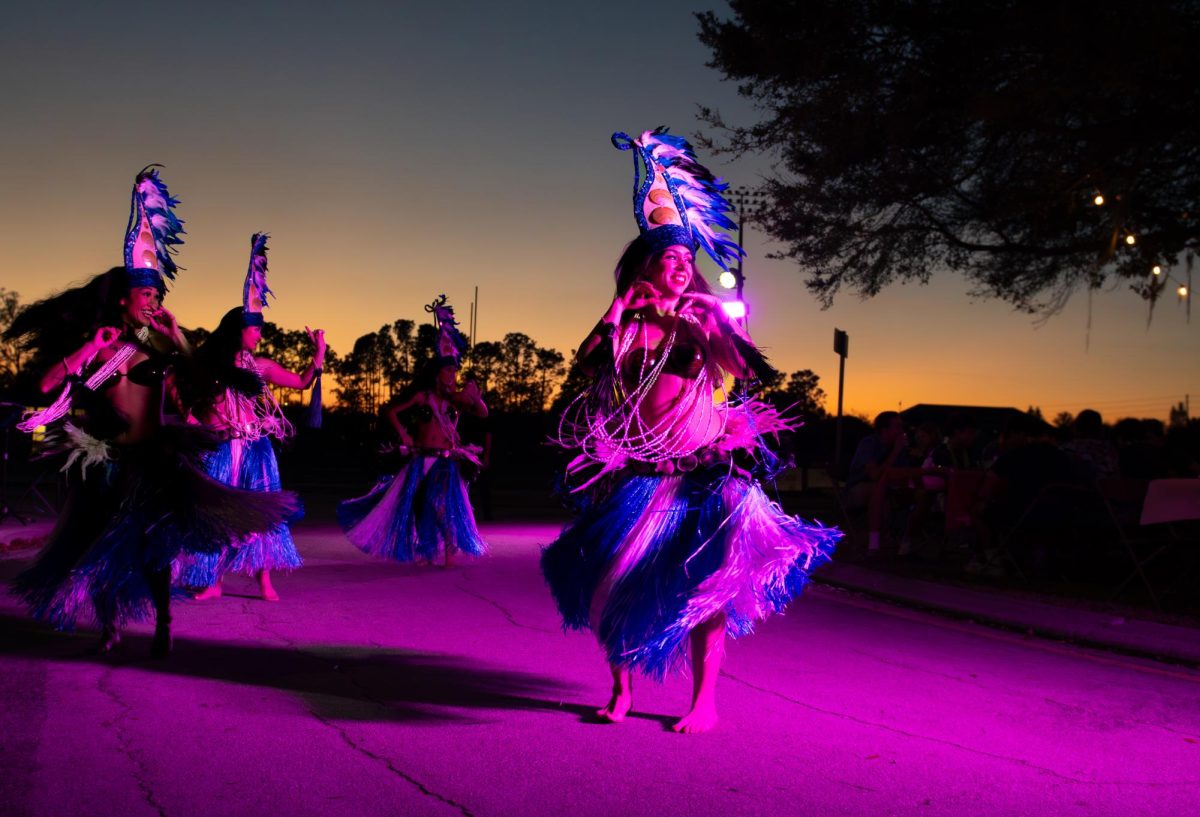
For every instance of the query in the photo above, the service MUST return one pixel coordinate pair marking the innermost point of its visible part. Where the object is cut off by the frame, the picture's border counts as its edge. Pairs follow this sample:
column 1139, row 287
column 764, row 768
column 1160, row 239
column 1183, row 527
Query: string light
column 1130, row 240
column 1183, row 291
column 1157, row 270
column 1098, row 201
column 728, row 279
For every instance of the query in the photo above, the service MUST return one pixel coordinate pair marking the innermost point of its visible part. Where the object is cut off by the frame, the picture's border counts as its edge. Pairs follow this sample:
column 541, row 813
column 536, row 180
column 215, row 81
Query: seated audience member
column 927, row 490
column 1093, row 455
column 964, row 472
column 958, row 451
column 1141, row 449
column 880, row 472
column 1028, row 463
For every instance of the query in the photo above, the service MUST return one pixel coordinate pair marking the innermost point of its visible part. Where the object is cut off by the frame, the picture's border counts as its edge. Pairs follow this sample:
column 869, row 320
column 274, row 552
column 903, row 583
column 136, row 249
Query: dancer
column 137, row 497
column 241, row 409
column 424, row 507
column 676, row 543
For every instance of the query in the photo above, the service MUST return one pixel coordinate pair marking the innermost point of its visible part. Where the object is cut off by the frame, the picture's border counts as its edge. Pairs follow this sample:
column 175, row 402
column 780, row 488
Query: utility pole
column 841, row 345
column 474, row 317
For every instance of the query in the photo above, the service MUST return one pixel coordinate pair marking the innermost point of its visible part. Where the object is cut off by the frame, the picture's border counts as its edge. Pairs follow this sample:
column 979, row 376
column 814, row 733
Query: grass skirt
column 129, row 519
column 272, row 550
column 414, row 514
column 660, row 555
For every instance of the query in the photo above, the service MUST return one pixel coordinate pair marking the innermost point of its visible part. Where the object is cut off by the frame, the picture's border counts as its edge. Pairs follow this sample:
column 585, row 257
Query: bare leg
column 622, row 697
column 160, row 590
column 708, row 648
column 264, row 586
column 110, row 637
column 213, row 591
column 450, row 551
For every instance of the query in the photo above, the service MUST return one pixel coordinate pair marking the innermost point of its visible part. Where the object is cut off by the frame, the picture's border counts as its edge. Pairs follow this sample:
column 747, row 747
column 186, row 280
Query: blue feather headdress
column 152, row 233
column 676, row 200
column 255, row 290
column 451, row 343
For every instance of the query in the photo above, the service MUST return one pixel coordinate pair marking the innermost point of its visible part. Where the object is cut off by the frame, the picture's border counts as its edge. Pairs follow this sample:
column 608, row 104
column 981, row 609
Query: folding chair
column 1124, row 500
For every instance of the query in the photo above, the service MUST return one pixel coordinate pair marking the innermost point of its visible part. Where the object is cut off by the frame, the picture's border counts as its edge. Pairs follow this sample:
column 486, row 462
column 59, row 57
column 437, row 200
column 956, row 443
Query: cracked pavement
column 381, row 689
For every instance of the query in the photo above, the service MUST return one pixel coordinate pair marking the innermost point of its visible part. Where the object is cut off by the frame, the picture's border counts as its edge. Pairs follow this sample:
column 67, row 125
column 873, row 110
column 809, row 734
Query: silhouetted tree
column 292, row 349
column 911, row 137
column 12, row 356
column 484, row 363
column 801, row 394
column 1178, row 416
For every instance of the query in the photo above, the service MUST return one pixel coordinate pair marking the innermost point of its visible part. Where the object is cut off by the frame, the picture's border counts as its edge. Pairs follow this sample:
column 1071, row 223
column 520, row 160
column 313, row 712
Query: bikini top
column 685, row 359
column 424, row 414
column 150, row 372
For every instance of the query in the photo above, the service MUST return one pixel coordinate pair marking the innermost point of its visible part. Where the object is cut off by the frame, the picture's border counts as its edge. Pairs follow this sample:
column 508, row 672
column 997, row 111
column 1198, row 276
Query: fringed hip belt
column 739, row 461
column 232, row 433
column 463, row 453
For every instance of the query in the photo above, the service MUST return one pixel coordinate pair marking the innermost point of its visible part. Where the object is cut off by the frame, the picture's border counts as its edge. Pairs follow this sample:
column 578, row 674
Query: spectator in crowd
column 1141, row 449
column 926, row 489
column 1028, row 463
column 1092, row 454
column 881, row 473
column 959, row 458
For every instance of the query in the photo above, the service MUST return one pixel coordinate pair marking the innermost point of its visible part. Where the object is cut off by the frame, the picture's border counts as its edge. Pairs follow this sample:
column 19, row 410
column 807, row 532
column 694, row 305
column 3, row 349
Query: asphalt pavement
column 375, row 688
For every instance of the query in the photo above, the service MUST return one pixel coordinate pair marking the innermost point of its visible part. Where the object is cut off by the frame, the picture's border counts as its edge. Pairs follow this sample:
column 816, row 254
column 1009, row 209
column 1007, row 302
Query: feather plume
column 255, row 290
column 153, row 231
column 669, row 162
column 450, row 341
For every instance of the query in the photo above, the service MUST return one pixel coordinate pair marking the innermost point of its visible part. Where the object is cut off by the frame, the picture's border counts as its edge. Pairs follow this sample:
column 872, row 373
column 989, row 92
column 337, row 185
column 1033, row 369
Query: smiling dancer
column 241, row 410
column 424, row 508
column 676, row 544
column 137, row 498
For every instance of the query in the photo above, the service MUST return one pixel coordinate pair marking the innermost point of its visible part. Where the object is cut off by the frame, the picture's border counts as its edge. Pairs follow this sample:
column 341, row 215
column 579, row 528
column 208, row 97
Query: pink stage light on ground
column 734, row 309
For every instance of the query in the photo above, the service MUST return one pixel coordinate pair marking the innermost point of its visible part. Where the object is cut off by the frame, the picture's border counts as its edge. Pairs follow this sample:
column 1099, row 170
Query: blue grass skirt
column 129, row 519
column 272, row 550
column 421, row 510
column 660, row 555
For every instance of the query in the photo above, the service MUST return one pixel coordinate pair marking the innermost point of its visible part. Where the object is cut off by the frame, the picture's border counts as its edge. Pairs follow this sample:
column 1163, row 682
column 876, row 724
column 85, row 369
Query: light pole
column 744, row 200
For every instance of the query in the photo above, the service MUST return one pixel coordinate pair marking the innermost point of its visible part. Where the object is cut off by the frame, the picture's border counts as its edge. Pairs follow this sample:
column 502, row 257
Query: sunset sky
column 395, row 151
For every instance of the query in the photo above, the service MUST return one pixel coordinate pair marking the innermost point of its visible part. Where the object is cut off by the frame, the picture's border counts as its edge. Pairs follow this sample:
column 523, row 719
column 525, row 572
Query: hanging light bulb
column 728, row 279
column 1130, row 240
column 1157, row 270
column 1183, row 291
column 1098, row 201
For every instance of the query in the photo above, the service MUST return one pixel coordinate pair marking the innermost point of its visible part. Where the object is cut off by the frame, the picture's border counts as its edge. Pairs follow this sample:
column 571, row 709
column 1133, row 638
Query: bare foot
column 211, row 592
column 160, row 647
column 617, row 708
column 702, row 718
column 109, row 639
column 265, row 588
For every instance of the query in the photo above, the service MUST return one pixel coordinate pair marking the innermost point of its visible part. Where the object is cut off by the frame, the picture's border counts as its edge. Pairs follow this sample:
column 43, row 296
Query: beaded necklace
column 609, row 435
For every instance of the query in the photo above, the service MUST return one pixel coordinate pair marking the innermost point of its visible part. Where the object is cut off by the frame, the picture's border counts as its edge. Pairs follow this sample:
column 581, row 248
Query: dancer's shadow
column 340, row 682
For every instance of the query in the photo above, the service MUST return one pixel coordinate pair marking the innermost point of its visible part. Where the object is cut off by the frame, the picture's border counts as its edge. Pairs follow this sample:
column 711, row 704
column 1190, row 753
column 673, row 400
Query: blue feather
column 151, row 200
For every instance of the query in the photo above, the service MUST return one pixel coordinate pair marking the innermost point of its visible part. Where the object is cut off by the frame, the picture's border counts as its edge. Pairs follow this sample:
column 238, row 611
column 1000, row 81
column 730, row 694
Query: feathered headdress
column 255, row 290
column 676, row 200
column 451, row 343
column 152, row 233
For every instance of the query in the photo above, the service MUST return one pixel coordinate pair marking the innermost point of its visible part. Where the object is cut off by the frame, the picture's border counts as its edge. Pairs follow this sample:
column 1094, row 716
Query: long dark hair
column 635, row 263
column 632, row 267
column 58, row 325
column 214, row 366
